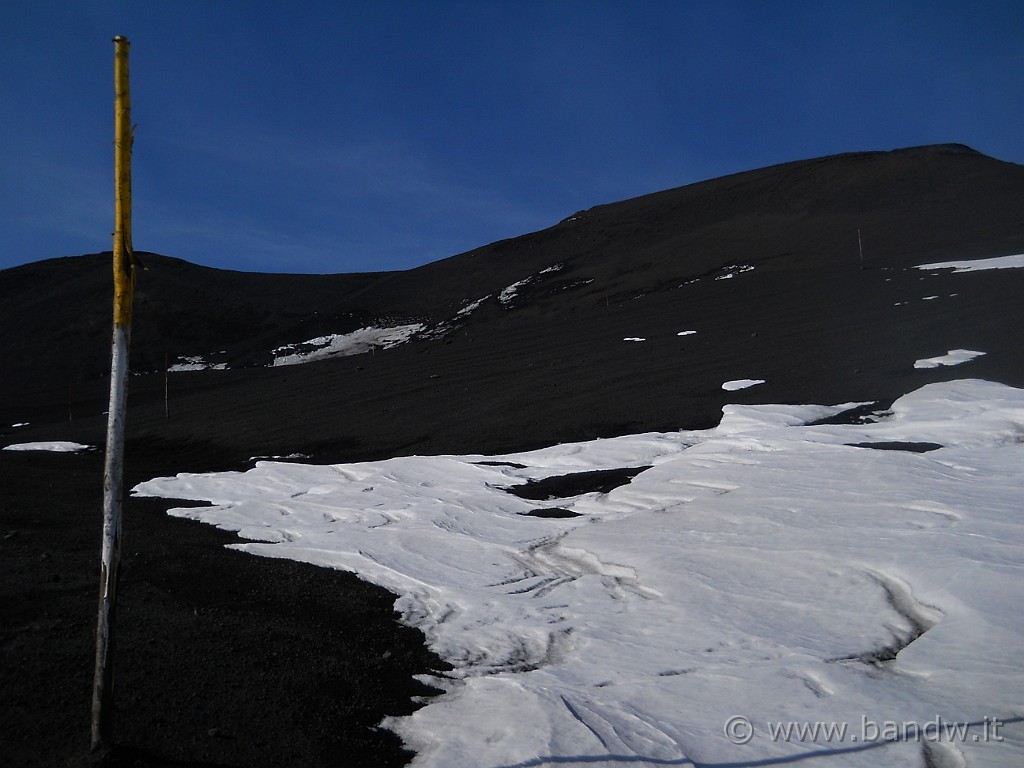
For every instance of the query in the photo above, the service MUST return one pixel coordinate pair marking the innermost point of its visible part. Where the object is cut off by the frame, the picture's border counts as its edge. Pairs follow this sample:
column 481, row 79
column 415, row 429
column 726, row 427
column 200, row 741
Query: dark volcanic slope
column 234, row 661
column 813, row 319
column 56, row 314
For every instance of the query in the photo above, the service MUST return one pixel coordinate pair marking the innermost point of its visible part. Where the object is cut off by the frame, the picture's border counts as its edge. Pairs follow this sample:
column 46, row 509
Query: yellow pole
column 113, row 470
column 124, row 272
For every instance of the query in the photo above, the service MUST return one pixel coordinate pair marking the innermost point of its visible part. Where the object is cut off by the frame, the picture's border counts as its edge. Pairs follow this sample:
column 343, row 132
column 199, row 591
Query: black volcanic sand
column 229, row 659
column 575, row 483
column 222, row 658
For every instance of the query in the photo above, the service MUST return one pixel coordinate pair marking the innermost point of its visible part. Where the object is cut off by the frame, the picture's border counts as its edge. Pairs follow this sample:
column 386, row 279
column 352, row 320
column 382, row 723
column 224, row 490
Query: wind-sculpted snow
column 767, row 571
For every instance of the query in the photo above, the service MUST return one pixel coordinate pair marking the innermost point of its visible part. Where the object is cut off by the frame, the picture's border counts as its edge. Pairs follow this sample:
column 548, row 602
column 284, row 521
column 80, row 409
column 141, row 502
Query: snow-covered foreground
column 764, row 593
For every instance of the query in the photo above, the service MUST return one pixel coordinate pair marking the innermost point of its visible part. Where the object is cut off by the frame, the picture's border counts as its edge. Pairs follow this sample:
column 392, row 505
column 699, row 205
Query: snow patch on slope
column 734, row 269
column 343, row 344
column 56, row 446
column 977, row 265
column 953, row 357
column 736, row 384
column 509, row 293
column 471, row 306
column 195, row 363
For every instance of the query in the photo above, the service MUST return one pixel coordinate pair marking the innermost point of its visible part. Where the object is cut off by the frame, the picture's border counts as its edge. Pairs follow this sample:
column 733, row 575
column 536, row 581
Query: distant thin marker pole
column 113, row 468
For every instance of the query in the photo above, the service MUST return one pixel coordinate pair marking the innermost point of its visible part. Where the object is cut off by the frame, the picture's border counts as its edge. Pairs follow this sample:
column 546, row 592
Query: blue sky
column 379, row 135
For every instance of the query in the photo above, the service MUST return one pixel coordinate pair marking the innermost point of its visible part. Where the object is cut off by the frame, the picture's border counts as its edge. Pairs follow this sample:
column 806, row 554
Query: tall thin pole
column 113, row 469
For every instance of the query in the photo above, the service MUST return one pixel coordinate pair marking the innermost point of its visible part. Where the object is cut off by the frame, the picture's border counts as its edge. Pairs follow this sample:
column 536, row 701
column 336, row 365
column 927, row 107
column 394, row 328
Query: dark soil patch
column 867, row 413
column 552, row 512
column 898, row 445
column 575, row 484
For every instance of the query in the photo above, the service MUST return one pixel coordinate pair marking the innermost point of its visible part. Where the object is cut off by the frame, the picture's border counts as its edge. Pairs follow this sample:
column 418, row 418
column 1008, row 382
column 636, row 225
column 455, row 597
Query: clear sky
column 377, row 135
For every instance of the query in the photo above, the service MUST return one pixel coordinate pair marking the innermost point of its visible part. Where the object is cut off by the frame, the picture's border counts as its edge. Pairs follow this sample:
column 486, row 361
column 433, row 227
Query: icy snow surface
column 58, row 446
column 763, row 573
column 977, row 265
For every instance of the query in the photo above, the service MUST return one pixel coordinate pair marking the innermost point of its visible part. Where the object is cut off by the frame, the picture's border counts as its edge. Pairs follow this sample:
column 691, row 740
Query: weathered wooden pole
column 113, row 468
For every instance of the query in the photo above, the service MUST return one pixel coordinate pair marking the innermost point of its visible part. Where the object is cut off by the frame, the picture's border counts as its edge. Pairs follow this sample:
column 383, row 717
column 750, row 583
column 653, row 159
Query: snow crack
column 917, row 616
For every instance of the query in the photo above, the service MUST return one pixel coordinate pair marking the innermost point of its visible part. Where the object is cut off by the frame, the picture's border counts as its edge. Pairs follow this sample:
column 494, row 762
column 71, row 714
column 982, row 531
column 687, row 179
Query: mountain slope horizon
column 814, row 252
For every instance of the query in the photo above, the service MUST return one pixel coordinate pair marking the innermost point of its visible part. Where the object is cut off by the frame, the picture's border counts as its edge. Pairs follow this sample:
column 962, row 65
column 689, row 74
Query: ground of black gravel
column 221, row 658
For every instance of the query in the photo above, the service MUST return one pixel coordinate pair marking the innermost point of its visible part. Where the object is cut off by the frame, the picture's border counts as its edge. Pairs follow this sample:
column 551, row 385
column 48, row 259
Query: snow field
column 764, row 569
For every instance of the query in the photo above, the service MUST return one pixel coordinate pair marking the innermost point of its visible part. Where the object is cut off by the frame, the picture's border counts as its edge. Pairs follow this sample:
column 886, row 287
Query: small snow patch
column 471, row 306
column 195, row 363
column 953, row 357
column 634, row 338
column 686, row 333
column 344, row 344
column 734, row 269
column 289, row 457
column 508, row 294
column 732, row 386
column 977, row 265
column 56, row 446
